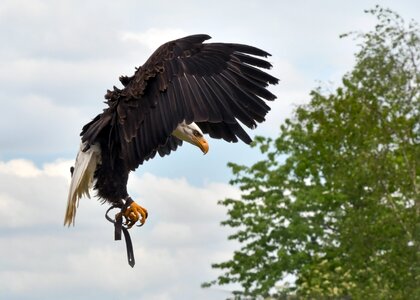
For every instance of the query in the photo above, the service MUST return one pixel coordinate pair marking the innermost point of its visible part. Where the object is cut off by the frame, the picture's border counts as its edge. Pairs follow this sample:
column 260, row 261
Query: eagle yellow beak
column 201, row 143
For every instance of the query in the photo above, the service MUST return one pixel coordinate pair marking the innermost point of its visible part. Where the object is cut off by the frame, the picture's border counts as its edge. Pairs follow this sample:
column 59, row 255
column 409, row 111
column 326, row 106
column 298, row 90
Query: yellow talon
column 135, row 213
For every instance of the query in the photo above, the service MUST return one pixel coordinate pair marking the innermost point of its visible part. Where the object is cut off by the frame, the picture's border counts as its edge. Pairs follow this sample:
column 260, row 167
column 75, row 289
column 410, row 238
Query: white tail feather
column 82, row 179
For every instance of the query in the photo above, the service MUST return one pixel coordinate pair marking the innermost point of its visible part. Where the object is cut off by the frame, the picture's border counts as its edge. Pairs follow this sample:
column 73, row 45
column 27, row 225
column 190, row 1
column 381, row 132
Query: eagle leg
column 135, row 213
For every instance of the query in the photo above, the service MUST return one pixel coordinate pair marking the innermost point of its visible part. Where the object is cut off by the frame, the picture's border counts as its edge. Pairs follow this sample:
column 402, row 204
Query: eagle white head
column 192, row 134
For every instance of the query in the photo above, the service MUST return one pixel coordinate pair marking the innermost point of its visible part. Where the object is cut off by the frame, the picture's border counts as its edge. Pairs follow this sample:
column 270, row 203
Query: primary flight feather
column 187, row 88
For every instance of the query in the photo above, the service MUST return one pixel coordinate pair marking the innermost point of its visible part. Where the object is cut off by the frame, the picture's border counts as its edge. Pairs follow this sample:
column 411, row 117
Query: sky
column 58, row 58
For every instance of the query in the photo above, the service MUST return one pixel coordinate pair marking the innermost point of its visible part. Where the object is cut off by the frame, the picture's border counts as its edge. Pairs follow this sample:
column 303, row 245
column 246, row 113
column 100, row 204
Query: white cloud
column 19, row 8
column 59, row 167
column 174, row 249
column 173, row 232
column 194, row 203
column 20, row 167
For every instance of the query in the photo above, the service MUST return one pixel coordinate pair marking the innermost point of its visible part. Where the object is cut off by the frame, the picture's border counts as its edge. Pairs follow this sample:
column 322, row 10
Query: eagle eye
column 196, row 133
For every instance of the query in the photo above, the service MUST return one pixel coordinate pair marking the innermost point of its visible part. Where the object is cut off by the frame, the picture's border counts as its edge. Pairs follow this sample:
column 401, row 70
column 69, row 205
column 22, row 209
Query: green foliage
column 336, row 200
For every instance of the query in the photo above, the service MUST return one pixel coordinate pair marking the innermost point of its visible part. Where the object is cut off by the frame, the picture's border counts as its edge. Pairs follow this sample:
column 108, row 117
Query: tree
column 335, row 203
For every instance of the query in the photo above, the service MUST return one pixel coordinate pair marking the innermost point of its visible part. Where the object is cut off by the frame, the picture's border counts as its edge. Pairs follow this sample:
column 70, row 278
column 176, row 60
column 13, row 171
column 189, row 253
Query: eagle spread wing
column 215, row 85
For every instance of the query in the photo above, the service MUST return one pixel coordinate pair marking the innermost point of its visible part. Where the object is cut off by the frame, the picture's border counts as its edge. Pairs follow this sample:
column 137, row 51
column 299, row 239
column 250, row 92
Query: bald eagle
column 187, row 88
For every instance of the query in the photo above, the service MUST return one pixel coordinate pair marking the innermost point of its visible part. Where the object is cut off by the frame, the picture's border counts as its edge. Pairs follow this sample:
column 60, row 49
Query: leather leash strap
column 118, row 227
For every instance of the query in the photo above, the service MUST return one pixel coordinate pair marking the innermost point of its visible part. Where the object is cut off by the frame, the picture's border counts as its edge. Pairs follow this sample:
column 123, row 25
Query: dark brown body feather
column 215, row 85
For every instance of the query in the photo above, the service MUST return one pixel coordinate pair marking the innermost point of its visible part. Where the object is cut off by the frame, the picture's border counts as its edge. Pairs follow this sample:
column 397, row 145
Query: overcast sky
column 58, row 58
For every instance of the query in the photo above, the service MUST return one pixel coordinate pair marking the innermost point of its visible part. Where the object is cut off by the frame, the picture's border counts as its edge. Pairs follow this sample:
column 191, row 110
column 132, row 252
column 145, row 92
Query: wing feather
column 238, row 110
